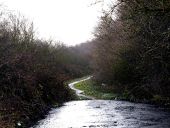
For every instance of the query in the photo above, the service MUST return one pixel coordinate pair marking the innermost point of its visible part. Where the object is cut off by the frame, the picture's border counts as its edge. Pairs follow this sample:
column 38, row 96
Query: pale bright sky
column 69, row 21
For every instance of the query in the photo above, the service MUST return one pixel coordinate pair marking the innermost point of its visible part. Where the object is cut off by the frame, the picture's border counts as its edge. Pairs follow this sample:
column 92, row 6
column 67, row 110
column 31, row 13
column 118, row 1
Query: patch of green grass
column 158, row 99
column 90, row 88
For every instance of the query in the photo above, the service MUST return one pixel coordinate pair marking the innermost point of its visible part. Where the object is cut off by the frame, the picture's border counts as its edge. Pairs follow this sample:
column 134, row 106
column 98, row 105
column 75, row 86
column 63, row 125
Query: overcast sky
column 70, row 21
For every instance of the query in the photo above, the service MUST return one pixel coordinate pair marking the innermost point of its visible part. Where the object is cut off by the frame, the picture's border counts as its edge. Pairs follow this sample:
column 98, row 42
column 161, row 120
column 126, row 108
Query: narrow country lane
column 105, row 114
column 79, row 92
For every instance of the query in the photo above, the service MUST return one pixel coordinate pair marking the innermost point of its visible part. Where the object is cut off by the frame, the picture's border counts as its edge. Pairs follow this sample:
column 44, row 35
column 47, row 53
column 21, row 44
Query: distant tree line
column 33, row 72
column 132, row 51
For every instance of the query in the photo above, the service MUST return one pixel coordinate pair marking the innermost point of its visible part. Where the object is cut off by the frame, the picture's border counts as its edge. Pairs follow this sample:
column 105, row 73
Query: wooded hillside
column 132, row 51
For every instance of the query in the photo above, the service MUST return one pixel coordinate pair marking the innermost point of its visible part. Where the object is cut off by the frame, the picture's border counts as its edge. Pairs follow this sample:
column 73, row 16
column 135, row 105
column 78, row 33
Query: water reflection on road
column 106, row 114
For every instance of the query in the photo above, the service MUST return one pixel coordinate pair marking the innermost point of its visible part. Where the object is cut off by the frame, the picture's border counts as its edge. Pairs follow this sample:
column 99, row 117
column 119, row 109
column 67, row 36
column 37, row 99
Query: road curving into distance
column 80, row 92
column 105, row 114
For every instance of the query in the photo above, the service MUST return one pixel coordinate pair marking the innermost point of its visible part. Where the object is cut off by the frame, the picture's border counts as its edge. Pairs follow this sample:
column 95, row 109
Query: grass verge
column 90, row 88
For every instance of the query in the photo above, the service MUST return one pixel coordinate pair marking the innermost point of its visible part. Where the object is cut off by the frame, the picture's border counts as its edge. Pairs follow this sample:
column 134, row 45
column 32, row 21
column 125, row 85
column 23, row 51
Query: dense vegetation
column 132, row 51
column 33, row 72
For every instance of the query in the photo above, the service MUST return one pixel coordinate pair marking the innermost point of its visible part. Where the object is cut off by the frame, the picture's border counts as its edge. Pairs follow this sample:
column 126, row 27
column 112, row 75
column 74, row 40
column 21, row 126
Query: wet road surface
column 106, row 114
